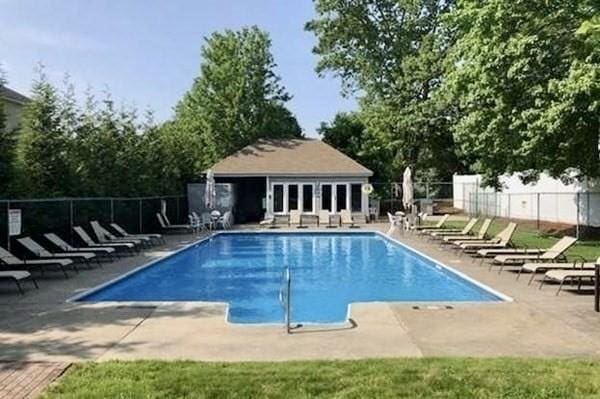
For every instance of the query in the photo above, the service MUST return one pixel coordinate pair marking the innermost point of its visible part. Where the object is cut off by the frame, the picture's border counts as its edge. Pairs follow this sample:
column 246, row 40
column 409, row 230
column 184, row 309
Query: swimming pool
column 328, row 272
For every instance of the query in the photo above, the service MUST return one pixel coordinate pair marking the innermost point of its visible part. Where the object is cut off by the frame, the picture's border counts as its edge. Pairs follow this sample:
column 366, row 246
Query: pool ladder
column 285, row 297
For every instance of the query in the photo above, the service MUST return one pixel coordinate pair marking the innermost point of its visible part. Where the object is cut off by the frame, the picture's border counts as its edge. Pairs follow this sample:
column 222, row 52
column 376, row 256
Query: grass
column 393, row 378
column 529, row 237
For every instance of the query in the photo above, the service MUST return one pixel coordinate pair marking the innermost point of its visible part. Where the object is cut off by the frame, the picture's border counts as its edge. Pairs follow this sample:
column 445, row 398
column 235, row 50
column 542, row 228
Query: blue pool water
column 329, row 271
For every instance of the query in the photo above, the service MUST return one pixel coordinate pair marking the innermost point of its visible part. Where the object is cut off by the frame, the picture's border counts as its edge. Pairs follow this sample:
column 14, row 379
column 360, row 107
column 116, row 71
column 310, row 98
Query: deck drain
column 142, row 307
column 433, row 307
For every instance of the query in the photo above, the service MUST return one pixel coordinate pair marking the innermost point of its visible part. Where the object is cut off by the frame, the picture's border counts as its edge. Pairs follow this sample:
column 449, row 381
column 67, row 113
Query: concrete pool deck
column 42, row 326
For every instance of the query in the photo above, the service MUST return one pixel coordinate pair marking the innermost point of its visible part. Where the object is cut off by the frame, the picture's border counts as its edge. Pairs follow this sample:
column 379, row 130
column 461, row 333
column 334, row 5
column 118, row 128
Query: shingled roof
column 289, row 157
column 13, row 96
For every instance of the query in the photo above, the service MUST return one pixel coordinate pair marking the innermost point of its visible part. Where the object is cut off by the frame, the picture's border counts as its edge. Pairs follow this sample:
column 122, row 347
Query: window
column 292, row 197
column 356, row 197
column 307, row 198
column 277, row 197
column 326, row 197
column 341, row 197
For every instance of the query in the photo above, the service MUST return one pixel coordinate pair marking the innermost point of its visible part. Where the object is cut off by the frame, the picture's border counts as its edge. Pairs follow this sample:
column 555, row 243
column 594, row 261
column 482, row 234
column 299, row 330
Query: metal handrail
column 285, row 297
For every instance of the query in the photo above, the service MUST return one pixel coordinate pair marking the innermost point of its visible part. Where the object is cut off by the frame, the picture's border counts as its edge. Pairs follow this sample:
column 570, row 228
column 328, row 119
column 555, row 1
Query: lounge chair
column 156, row 238
column 91, row 243
column 347, row 219
column 39, row 264
column 17, row 276
column 106, row 237
column 554, row 253
column 500, row 240
column 41, row 252
column 296, row 218
column 168, row 222
column 58, row 242
column 534, row 268
column 562, row 276
column 268, row 222
column 481, row 234
column 325, row 218
column 167, row 227
column 441, row 233
column 437, row 226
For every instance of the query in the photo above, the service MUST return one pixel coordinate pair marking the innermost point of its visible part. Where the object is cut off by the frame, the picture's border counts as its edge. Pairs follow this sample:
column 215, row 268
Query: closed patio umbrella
column 210, row 196
column 407, row 189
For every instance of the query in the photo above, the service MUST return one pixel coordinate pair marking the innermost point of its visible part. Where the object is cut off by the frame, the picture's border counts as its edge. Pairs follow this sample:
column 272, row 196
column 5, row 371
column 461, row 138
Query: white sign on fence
column 14, row 222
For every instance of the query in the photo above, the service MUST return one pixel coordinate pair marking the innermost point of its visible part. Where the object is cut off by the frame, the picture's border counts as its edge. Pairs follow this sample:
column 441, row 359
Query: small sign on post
column 14, row 222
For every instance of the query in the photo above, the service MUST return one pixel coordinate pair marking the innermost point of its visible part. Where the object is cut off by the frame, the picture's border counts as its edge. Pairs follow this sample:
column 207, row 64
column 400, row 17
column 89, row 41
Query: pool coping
column 74, row 300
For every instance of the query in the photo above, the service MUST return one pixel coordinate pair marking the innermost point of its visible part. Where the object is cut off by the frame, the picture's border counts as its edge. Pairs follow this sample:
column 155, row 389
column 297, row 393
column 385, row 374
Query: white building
column 547, row 200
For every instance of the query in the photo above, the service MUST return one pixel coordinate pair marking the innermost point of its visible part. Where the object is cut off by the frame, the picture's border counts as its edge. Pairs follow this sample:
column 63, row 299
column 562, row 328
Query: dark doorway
column 250, row 197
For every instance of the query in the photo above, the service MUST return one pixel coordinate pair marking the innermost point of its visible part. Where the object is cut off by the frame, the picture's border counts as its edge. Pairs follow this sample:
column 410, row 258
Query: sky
column 147, row 52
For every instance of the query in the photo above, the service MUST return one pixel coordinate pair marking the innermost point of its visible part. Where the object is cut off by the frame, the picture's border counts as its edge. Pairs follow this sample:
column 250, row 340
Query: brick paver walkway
column 20, row 380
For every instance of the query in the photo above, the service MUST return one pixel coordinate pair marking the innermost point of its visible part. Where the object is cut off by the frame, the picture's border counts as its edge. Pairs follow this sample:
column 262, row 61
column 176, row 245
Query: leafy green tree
column 391, row 53
column 7, row 143
column 235, row 100
column 526, row 87
column 42, row 149
column 348, row 134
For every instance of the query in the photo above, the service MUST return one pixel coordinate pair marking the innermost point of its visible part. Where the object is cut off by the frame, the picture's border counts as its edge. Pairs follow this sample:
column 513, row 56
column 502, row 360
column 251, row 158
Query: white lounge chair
column 41, row 252
column 39, row 264
column 553, row 254
column 58, row 242
column 268, row 222
column 325, row 218
column 17, row 276
column 156, row 238
column 296, row 218
column 346, row 218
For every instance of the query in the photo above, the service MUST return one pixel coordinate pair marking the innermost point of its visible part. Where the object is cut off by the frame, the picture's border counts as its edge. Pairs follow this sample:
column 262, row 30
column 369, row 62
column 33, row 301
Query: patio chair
column 105, row 237
column 562, row 276
column 534, row 268
column 347, row 219
column 155, row 238
column 437, row 226
column 226, row 221
column 325, row 219
column 39, row 264
column 441, row 233
column 296, row 218
column 105, row 252
column 41, row 252
column 17, row 276
column 481, row 234
column 83, row 235
column 553, row 254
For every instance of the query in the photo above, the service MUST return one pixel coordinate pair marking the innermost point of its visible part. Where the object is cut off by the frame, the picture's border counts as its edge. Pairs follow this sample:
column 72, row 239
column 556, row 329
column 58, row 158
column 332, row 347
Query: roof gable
column 12, row 96
column 290, row 157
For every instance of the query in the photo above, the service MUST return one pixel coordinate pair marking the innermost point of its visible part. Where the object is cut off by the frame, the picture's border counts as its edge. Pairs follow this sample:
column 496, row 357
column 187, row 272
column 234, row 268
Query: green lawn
column 526, row 236
column 397, row 378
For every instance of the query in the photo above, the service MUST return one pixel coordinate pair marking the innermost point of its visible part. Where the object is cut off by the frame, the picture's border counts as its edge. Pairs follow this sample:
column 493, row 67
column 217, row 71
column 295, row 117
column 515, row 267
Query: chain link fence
column 59, row 215
column 431, row 197
column 579, row 209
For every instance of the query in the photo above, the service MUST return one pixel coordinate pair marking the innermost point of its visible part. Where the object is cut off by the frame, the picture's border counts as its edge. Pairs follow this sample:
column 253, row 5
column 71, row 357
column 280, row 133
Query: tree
column 236, row 99
column 6, row 145
column 526, row 86
column 348, row 134
column 391, row 52
column 42, row 148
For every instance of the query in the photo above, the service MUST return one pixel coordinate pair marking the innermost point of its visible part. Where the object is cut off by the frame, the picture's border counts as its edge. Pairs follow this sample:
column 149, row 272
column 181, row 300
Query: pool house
column 273, row 177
